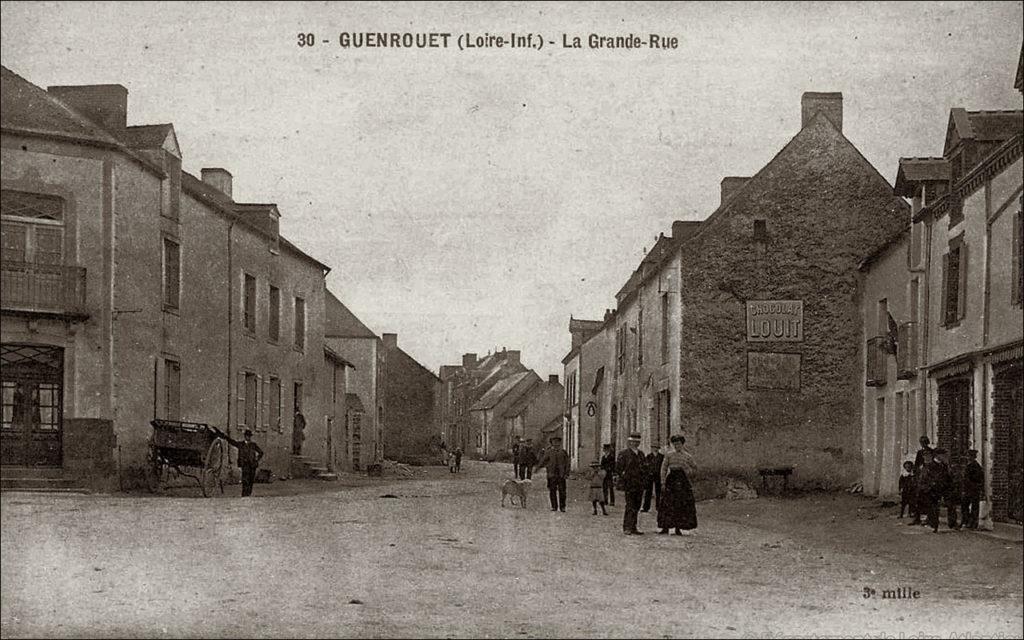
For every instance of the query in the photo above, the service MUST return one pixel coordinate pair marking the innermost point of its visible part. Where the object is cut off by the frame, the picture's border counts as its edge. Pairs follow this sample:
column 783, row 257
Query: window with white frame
column 32, row 227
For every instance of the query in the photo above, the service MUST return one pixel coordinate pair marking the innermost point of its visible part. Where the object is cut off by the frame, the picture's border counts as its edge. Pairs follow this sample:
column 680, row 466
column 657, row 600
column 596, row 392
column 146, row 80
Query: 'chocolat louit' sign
column 775, row 321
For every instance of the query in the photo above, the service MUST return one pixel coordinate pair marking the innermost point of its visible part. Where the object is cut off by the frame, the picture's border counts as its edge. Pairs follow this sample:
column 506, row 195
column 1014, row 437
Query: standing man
column 653, row 488
column 920, row 499
column 556, row 459
column 972, row 486
column 527, row 460
column 516, row 445
column 249, row 456
column 630, row 467
column 298, row 433
column 608, row 464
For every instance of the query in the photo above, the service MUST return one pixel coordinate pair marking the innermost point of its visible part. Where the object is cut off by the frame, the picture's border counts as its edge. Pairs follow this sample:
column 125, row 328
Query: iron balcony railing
column 906, row 351
column 42, row 288
column 877, row 359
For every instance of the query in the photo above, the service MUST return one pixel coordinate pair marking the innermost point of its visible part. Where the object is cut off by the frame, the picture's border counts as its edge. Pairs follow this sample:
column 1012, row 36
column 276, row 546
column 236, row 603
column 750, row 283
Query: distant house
column 488, row 413
column 411, row 427
column 462, row 386
column 526, row 417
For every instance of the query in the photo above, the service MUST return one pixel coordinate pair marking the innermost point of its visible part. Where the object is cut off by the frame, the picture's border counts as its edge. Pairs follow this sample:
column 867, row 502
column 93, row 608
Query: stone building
column 113, row 257
column 770, row 330
column 527, row 416
column 963, row 283
column 462, row 386
column 363, row 418
column 411, row 429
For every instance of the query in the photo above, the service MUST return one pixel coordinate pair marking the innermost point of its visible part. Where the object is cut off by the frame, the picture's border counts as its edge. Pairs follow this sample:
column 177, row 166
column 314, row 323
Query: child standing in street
column 907, row 489
column 597, row 475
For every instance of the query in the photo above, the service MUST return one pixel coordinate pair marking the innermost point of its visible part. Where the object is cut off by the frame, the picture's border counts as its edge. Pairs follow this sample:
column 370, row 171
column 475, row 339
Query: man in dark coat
column 527, row 460
column 632, row 472
column 249, row 456
column 932, row 486
column 516, row 446
column 950, row 489
column 971, row 487
column 608, row 464
column 653, row 488
column 920, row 499
column 556, row 460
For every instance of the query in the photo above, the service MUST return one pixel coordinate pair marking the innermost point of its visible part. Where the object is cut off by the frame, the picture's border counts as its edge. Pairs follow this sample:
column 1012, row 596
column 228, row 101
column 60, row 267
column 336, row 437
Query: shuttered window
column 172, row 390
column 172, row 274
column 954, row 281
column 32, row 227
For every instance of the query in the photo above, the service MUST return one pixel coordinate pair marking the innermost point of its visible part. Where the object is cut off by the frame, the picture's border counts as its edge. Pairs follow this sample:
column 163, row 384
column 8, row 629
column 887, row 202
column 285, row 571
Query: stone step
column 15, row 471
column 8, row 483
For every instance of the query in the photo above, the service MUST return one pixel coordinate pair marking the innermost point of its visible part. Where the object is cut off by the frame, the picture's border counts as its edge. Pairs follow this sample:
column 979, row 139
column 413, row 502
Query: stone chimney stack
column 219, row 179
column 828, row 104
column 512, row 356
column 468, row 360
column 730, row 185
column 390, row 340
column 553, row 379
column 104, row 104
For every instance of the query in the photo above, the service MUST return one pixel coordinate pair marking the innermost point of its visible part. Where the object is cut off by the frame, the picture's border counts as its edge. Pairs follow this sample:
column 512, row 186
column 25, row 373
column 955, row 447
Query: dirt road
column 443, row 559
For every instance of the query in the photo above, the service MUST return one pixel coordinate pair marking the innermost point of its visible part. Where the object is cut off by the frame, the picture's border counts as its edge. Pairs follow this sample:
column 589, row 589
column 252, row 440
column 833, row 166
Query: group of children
column 455, row 460
column 928, row 482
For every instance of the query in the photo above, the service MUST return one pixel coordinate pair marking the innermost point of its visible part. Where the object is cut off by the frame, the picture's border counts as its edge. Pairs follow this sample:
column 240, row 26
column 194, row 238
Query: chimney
column 829, row 104
column 681, row 230
column 730, row 185
column 219, row 179
column 468, row 360
column 553, row 379
column 511, row 357
column 390, row 340
column 104, row 104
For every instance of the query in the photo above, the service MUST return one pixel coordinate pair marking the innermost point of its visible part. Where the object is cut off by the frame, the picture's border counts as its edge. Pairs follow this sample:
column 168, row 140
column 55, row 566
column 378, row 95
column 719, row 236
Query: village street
column 443, row 559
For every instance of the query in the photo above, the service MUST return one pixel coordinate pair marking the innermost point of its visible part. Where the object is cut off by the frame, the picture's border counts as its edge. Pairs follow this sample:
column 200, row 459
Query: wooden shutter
column 961, row 291
column 240, row 401
column 266, row 404
column 945, row 289
column 258, row 392
column 1017, row 281
column 14, row 241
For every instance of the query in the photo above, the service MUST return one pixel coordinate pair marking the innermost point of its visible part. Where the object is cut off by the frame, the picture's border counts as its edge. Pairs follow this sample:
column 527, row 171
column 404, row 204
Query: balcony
column 42, row 289
column 877, row 361
column 906, row 354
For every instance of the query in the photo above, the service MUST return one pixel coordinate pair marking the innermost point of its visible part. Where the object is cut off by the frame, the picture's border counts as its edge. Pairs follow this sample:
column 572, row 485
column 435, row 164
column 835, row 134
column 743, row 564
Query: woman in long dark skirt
column 677, row 509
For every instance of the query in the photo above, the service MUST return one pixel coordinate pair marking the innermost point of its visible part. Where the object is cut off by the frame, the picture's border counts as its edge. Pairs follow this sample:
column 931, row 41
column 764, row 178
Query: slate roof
column 495, row 394
column 353, row 403
column 342, row 323
column 983, row 126
column 913, row 170
column 23, row 105
column 146, row 136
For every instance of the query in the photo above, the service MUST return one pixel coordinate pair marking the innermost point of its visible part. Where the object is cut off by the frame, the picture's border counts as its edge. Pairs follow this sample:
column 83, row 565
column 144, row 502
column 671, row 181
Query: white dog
column 515, row 489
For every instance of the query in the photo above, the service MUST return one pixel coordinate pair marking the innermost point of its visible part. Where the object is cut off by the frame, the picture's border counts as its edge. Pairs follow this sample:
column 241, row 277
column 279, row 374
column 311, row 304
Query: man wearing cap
column 556, row 460
column 631, row 470
column 249, row 456
column 653, row 488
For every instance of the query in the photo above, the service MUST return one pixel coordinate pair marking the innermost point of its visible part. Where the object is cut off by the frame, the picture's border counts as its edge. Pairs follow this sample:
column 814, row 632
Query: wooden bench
column 785, row 472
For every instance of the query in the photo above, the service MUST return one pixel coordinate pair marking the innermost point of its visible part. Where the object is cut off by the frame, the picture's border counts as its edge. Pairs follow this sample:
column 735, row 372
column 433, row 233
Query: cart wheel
column 213, row 468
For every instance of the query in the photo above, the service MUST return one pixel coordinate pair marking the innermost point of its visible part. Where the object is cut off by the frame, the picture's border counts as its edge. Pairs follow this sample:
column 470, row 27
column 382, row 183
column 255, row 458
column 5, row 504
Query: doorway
column 32, row 378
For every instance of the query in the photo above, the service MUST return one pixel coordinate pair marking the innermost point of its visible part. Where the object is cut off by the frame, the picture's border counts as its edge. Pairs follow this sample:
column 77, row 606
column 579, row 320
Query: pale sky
column 468, row 200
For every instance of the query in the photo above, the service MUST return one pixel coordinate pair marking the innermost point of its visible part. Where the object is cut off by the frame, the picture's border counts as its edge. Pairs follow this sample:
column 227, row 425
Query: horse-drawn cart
column 190, row 449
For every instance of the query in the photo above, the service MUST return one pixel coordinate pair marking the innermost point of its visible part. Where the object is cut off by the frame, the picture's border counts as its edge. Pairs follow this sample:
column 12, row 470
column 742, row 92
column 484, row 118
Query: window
column 297, row 398
column 300, row 323
column 620, row 348
column 33, row 405
column 882, row 321
column 664, row 328
column 249, row 303
column 1017, row 279
column 32, row 227
column 172, row 390
column 172, row 274
column 274, row 321
column 954, row 279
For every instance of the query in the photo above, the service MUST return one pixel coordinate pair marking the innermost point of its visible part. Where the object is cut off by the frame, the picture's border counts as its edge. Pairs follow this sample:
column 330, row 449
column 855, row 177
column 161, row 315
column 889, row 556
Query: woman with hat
column 677, row 509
